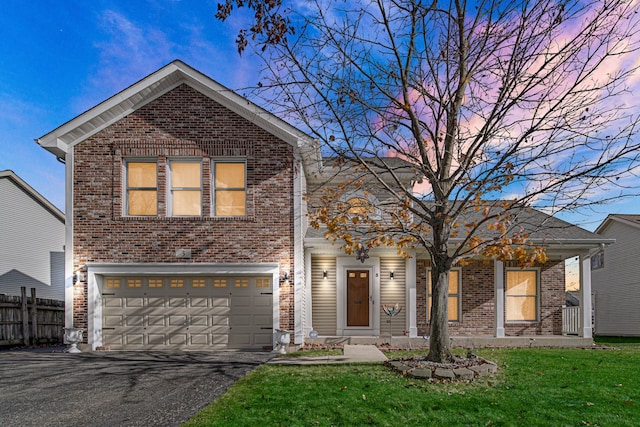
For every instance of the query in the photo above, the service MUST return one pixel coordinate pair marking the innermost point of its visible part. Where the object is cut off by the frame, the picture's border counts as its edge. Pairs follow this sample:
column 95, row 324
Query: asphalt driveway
column 115, row 388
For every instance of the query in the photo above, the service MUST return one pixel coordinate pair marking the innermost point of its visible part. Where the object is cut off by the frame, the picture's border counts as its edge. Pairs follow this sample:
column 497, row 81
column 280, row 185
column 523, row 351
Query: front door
column 357, row 298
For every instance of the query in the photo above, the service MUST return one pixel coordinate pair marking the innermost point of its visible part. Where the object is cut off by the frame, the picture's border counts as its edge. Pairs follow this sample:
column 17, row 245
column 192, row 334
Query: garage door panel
column 199, row 339
column 220, row 339
column 199, row 320
column 178, row 302
column 220, row 320
column 264, row 339
column 262, row 301
column 200, row 302
column 219, row 329
column 112, row 338
column 164, row 317
column 111, row 301
column 178, row 320
column 113, row 321
column 156, row 339
column 133, row 320
column 156, row 302
column 133, row 302
column 178, row 339
column 156, row 320
column 240, row 301
column 134, row 339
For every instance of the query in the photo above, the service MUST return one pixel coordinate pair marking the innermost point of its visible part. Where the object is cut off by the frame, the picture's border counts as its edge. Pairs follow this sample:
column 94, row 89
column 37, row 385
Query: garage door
column 187, row 313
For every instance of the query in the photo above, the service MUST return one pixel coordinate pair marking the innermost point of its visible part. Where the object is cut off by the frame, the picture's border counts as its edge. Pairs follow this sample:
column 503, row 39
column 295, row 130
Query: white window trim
column 125, row 184
column 506, row 297
column 459, row 294
column 214, row 164
column 170, row 188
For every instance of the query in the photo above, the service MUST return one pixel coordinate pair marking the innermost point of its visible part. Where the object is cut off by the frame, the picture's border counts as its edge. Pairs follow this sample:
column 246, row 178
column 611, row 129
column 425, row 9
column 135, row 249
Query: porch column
column 585, row 297
column 499, row 279
column 410, row 266
column 308, row 301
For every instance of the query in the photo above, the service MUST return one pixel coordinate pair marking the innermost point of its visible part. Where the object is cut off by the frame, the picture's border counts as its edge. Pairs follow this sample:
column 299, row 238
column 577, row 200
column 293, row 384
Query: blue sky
column 58, row 59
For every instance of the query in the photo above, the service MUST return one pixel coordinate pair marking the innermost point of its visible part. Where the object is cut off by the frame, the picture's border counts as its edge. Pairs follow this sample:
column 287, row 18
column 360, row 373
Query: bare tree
column 493, row 106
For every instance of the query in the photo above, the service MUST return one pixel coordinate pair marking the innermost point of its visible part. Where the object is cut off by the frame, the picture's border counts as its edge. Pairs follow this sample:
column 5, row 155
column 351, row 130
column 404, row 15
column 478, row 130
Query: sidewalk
column 351, row 354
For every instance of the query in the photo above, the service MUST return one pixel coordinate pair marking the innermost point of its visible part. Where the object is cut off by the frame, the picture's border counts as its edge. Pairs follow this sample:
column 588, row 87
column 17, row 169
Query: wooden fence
column 24, row 323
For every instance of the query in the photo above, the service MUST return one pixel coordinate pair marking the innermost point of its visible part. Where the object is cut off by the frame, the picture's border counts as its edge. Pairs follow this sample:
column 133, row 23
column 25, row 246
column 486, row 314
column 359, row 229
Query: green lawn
column 545, row 387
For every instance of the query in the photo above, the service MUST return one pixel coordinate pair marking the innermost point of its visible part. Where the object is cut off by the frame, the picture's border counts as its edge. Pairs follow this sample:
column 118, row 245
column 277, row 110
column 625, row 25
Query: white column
column 585, row 301
column 412, row 315
column 308, row 296
column 499, row 279
column 68, row 244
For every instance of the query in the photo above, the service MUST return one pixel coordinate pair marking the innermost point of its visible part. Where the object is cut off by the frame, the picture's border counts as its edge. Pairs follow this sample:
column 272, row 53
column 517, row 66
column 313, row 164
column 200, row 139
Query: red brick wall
column 182, row 122
column 478, row 301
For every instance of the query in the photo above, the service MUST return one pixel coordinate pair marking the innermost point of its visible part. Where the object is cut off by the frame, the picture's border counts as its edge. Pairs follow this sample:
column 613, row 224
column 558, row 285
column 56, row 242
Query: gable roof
column 29, row 191
column 61, row 139
column 627, row 219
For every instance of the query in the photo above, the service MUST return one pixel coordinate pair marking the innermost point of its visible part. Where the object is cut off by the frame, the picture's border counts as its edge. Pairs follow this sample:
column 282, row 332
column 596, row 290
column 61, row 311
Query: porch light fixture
column 286, row 276
column 391, row 275
column 324, row 274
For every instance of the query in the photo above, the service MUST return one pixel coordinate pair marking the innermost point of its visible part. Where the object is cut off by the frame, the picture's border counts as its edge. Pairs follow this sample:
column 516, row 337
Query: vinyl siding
column 617, row 286
column 32, row 245
column 323, row 292
column 393, row 291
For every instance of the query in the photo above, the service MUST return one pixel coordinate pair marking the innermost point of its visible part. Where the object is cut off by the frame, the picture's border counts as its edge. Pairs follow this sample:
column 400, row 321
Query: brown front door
column 357, row 298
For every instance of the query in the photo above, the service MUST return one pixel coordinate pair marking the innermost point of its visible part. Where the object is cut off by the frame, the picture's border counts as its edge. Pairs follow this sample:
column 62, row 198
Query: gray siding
column 31, row 245
column 324, row 310
column 617, row 286
column 393, row 291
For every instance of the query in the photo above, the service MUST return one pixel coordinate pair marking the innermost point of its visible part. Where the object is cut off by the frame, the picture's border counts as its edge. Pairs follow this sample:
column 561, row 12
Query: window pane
column 453, row 309
column 141, row 175
column 521, row 283
column 142, row 202
column 186, row 203
column 185, row 175
column 230, row 203
column 453, row 296
column 453, row 281
column 230, row 175
column 521, row 308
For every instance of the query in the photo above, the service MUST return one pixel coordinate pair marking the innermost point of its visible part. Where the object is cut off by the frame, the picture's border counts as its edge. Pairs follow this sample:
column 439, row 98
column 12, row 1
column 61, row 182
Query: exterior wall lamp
column 324, row 274
column 391, row 275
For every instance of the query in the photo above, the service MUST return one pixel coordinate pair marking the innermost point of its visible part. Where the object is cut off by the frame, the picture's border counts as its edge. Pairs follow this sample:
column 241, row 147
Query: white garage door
column 187, row 313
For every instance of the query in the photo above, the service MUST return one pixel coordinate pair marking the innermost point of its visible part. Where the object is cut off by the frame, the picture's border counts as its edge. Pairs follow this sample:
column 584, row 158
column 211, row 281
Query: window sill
column 185, row 218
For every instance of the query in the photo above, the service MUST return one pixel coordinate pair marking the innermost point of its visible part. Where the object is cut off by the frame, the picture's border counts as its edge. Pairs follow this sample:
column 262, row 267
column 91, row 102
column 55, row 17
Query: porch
column 557, row 341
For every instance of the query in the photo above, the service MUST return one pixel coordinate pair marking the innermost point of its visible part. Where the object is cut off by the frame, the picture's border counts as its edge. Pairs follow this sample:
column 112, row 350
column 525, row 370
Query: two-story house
column 187, row 228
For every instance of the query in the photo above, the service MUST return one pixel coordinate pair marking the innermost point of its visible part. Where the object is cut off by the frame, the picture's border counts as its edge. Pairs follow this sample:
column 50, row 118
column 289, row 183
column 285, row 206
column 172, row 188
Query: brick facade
column 478, row 301
column 182, row 123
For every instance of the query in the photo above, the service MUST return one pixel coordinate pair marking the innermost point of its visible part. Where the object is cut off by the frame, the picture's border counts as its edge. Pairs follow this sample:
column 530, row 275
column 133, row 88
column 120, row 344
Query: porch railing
column 570, row 320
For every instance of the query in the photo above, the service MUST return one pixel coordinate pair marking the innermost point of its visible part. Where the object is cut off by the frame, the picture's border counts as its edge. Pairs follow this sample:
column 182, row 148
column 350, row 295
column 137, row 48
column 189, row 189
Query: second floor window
column 142, row 189
column 186, row 188
column 230, row 191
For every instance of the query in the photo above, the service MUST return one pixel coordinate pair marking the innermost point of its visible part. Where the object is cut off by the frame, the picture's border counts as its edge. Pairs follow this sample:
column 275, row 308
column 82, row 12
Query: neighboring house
column 615, row 272
column 32, row 241
column 187, row 228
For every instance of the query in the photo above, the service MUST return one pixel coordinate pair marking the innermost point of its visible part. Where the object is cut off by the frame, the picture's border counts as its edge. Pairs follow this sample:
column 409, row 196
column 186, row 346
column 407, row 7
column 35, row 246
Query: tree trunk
column 439, row 346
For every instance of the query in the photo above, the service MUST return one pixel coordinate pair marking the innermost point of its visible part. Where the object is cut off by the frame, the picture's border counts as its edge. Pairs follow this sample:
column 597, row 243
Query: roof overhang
column 62, row 139
column 622, row 219
column 31, row 192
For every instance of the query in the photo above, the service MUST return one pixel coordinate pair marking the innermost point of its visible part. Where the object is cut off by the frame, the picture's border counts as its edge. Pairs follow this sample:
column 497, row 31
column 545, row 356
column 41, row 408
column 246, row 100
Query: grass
column 545, row 387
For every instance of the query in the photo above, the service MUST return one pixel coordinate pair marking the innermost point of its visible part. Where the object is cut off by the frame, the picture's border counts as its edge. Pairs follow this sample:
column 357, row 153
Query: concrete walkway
column 351, row 354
